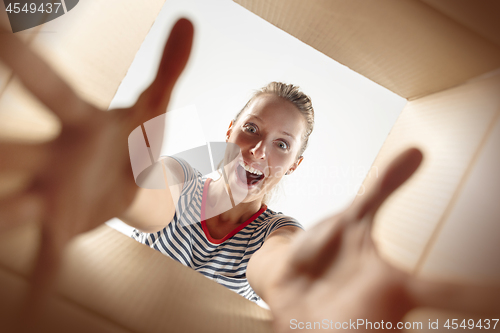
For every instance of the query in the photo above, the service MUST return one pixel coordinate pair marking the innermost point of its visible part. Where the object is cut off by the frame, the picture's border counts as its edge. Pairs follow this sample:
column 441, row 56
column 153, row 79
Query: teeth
column 250, row 169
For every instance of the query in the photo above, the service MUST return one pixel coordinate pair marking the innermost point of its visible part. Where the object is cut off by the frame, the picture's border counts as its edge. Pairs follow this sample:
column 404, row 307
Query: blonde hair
column 292, row 94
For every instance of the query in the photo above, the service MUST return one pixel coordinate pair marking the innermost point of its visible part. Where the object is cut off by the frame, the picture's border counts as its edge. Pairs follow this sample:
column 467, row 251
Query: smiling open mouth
column 251, row 178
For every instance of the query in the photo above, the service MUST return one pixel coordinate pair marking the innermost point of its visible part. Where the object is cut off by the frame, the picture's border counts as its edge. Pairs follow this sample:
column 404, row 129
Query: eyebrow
column 286, row 133
column 283, row 132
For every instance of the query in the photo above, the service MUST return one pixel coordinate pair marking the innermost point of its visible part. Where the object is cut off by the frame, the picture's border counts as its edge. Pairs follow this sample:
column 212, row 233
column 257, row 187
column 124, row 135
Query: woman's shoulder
column 191, row 178
column 272, row 220
column 182, row 167
column 270, row 214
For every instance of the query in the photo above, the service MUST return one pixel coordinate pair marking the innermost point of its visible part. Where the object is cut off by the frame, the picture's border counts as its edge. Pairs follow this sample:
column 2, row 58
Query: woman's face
column 269, row 133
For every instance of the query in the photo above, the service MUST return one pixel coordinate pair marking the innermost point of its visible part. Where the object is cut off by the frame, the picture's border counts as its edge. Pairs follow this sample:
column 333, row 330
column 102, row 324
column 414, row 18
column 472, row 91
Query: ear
column 295, row 165
column 228, row 133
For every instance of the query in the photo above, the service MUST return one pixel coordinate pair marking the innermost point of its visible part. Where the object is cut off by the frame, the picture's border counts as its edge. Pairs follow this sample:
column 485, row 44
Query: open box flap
column 408, row 47
column 111, row 281
column 479, row 16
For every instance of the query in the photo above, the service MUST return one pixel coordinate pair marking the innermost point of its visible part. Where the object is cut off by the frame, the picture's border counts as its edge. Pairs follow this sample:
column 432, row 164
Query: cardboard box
column 441, row 55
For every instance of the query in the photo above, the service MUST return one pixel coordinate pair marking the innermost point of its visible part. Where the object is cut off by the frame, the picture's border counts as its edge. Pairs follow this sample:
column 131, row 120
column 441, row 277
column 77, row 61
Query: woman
column 208, row 233
column 83, row 178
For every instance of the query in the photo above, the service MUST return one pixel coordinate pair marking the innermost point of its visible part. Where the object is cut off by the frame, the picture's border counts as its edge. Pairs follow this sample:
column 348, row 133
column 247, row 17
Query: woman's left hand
column 332, row 273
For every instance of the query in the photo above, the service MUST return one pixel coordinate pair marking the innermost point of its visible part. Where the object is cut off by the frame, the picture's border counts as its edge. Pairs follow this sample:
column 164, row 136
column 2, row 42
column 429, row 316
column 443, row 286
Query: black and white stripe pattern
column 185, row 241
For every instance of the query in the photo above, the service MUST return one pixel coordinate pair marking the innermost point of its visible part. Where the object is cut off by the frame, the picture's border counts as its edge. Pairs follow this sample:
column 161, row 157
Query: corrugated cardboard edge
column 121, row 283
column 386, row 41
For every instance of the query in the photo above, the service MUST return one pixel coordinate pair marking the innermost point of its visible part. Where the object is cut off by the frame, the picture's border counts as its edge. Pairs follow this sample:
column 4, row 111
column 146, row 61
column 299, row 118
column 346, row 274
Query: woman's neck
column 218, row 204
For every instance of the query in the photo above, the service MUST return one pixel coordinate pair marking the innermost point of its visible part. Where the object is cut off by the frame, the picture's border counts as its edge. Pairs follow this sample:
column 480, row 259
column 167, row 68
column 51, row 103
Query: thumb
column 175, row 56
column 396, row 173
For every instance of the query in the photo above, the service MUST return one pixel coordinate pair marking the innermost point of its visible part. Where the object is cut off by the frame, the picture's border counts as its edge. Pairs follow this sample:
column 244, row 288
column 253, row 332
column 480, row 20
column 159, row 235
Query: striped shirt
column 187, row 240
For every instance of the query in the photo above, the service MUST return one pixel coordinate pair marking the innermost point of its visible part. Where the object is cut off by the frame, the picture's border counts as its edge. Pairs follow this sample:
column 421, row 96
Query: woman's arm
column 152, row 210
column 267, row 263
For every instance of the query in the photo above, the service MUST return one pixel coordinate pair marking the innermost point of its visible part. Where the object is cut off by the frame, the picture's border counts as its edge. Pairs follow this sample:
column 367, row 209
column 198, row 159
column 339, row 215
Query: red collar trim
column 232, row 233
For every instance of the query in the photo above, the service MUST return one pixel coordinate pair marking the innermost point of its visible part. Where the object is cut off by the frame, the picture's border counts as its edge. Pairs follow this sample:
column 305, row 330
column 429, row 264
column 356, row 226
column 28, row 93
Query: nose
column 259, row 150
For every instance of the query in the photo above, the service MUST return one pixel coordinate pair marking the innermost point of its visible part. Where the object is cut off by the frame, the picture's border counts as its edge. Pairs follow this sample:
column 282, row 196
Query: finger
column 174, row 59
column 398, row 171
column 23, row 157
column 41, row 80
column 20, row 209
column 325, row 239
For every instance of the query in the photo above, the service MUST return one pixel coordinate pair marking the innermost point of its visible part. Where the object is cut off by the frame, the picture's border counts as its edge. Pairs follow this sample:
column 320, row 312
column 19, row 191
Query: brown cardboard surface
column 406, row 46
column 23, row 118
column 4, row 19
column 9, row 126
column 89, row 49
column 93, row 45
column 479, row 16
column 5, row 76
column 59, row 316
column 117, row 282
column 449, row 127
column 18, row 249
column 467, row 245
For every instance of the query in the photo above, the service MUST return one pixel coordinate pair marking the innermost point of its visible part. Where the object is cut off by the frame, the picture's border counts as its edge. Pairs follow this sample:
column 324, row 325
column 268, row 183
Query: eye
column 251, row 128
column 283, row 145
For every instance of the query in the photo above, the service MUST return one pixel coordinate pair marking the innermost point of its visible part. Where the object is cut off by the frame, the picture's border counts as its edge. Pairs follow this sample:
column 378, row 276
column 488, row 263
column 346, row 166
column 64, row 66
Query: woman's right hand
column 83, row 177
